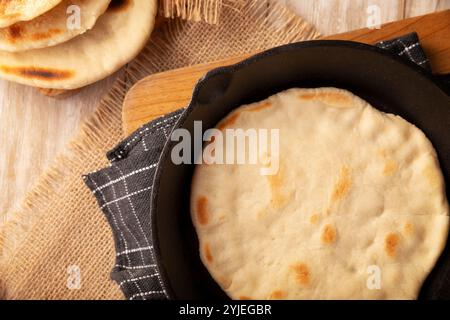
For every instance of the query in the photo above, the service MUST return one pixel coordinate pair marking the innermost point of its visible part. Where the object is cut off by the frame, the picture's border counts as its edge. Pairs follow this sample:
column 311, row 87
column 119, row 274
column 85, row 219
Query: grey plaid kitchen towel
column 123, row 192
column 409, row 47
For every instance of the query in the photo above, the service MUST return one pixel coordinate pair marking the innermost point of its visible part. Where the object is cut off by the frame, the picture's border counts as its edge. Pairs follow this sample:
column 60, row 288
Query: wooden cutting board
column 165, row 92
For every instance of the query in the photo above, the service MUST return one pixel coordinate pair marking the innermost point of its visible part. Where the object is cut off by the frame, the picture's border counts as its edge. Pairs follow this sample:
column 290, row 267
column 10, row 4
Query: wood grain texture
column 336, row 16
column 433, row 30
column 162, row 93
column 34, row 129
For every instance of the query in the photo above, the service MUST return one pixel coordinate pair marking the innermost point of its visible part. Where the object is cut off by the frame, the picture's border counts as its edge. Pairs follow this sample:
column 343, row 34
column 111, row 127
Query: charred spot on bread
column 38, row 73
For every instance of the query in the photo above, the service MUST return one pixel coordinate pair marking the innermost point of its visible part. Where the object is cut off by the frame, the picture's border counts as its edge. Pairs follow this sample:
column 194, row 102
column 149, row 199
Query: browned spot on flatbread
column 228, row 121
column 260, row 106
column 276, row 184
column 118, row 5
column 432, row 175
column 307, row 96
column 277, row 295
column 331, row 98
column 202, row 210
column 334, row 98
column 208, row 254
column 45, row 35
column 408, row 228
column 382, row 153
column 391, row 244
column 245, row 298
column 342, row 185
column 314, row 218
column 14, row 32
column 302, row 274
column 328, row 234
column 390, row 166
column 276, row 180
column 38, row 73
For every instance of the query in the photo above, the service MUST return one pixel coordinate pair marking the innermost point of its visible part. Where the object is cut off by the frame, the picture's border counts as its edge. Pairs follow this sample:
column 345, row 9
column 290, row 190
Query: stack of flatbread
column 68, row 44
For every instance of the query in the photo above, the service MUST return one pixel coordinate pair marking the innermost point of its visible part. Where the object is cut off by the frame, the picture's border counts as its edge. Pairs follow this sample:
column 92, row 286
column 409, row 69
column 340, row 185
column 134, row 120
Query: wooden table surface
column 31, row 136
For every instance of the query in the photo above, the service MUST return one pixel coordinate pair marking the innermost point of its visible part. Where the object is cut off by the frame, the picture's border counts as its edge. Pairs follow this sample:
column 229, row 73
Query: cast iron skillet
column 387, row 82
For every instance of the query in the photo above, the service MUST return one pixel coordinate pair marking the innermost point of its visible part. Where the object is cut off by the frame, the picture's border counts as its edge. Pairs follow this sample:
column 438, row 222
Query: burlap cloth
column 60, row 230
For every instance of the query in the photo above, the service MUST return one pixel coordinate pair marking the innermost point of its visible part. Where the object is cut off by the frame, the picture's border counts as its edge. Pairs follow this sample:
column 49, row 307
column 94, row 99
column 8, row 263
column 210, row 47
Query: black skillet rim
column 236, row 67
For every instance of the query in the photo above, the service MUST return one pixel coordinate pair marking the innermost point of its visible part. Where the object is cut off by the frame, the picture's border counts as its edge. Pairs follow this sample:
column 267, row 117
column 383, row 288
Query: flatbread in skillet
column 357, row 209
column 53, row 27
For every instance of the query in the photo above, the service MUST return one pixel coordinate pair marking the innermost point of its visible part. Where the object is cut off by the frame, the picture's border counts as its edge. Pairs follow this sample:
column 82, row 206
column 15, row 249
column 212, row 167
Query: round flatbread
column 356, row 210
column 118, row 36
column 64, row 22
column 12, row 11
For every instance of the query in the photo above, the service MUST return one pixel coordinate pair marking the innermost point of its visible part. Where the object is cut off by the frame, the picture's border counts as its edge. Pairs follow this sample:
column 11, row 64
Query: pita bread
column 12, row 11
column 118, row 36
column 52, row 27
column 357, row 209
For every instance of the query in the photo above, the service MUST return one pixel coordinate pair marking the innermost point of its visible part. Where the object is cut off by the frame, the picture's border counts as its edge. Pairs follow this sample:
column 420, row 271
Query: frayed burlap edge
column 195, row 10
column 107, row 118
